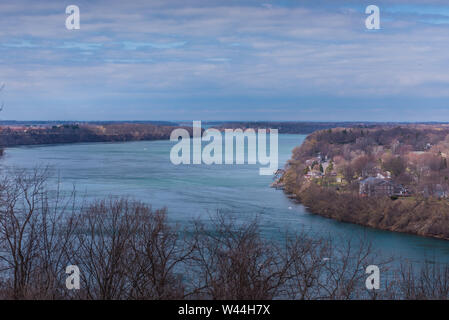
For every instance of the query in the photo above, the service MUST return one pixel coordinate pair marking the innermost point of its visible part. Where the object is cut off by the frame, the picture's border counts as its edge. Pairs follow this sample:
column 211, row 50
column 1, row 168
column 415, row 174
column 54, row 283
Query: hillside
column 389, row 177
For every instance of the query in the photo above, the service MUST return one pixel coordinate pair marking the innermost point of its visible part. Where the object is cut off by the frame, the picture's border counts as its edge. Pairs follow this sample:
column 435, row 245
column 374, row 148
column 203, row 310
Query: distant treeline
column 62, row 122
column 295, row 127
column 72, row 133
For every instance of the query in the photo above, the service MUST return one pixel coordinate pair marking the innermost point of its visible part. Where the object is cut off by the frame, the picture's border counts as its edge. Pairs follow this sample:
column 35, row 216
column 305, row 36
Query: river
column 142, row 170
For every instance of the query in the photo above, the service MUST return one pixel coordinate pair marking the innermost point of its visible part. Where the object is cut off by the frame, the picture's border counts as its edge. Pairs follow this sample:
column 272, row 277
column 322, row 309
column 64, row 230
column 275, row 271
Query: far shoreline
column 15, row 136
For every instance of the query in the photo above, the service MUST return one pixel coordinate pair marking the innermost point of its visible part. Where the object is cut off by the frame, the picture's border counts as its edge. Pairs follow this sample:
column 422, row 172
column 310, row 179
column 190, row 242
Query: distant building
column 439, row 191
column 436, row 190
column 400, row 191
column 313, row 161
column 381, row 176
column 325, row 164
column 376, row 186
column 373, row 186
column 314, row 174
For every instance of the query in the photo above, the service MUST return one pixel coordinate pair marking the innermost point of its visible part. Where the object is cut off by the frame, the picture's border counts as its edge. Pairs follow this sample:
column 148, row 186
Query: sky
column 225, row 60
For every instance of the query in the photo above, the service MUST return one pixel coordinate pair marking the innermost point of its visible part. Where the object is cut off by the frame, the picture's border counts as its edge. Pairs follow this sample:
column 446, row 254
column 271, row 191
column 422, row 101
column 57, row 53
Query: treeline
column 290, row 127
column 124, row 249
column 72, row 133
column 397, row 139
column 71, row 122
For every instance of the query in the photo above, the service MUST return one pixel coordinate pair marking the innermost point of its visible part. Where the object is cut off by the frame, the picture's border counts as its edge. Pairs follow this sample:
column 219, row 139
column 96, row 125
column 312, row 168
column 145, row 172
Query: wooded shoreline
column 75, row 133
column 327, row 172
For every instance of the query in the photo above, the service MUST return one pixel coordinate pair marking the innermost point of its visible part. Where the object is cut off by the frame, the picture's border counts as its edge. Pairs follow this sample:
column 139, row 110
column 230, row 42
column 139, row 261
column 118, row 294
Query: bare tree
column 419, row 282
column 158, row 259
column 307, row 260
column 232, row 262
column 31, row 227
column 125, row 250
column 345, row 269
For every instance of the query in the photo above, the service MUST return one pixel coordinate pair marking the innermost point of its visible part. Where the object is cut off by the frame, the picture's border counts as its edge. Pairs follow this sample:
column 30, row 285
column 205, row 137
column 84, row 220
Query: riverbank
column 428, row 217
column 388, row 178
column 74, row 133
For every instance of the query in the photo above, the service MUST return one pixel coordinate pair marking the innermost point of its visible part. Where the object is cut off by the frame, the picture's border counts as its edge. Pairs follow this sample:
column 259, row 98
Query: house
column 374, row 186
column 325, row 164
column 381, row 176
column 313, row 161
column 400, row 191
column 437, row 191
column 314, row 174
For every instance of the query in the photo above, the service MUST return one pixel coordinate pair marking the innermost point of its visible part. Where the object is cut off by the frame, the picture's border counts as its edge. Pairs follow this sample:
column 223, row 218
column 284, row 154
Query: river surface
column 142, row 170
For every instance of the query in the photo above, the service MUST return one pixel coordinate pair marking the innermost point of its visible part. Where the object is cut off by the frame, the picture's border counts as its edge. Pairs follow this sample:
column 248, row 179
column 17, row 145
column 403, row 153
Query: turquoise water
column 143, row 170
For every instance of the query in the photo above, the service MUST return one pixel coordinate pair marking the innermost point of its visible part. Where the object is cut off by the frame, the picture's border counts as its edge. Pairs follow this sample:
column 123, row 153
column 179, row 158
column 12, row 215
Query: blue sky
column 225, row 60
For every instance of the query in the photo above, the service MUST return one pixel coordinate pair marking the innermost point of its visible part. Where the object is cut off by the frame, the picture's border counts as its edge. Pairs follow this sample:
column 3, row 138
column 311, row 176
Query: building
column 376, row 186
column 400, row 191
column 373, row 186
column 435, row 190
column 313, row 174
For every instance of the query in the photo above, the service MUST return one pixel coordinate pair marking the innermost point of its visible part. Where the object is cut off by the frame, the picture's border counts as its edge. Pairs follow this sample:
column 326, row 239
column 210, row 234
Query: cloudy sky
column 225, row 60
